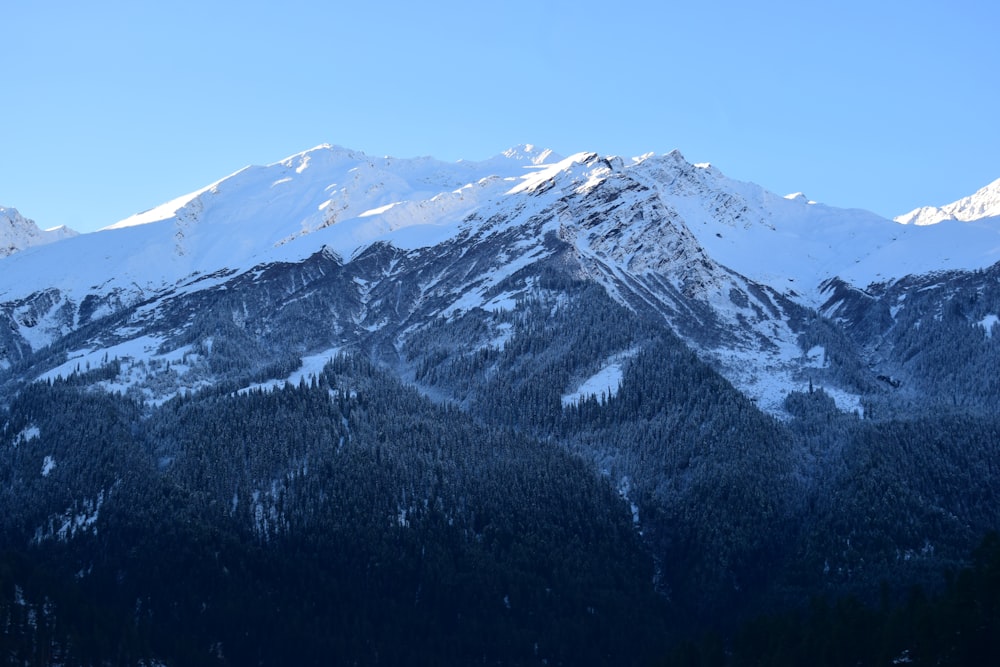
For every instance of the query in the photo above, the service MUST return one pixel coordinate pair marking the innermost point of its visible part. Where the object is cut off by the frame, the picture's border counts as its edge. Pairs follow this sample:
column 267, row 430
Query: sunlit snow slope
column 730, row 266
column 259, row 214
column 985, row 203
column 18, row 233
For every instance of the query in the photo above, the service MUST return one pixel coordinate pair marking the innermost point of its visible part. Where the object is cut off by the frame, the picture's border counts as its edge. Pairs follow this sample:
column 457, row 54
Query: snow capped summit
column 985, row 203
column 531, row 154
column 325, row 197
column 18, row 232
column 799, row 196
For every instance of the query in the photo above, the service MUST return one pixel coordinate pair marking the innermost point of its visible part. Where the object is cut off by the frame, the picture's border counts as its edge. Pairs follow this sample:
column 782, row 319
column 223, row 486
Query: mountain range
column 638, row 383
column 677, row 237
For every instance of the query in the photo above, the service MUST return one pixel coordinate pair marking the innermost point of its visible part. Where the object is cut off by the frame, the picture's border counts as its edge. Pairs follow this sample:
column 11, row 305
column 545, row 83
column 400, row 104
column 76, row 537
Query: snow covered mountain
column 346, row 391
column 732, row 268
column 18, row 233
column 355, row 200
column 985, row 203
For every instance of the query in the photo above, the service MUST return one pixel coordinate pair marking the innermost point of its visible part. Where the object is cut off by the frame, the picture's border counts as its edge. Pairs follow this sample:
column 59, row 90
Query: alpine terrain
column 18, row 233
column 531, row 410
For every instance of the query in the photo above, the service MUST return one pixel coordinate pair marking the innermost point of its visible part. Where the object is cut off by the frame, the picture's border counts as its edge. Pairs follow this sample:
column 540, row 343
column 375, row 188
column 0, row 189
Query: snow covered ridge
column 260, row 214
column 343, row 201
column 353, row 179
column 983, row 204
column 18, row 232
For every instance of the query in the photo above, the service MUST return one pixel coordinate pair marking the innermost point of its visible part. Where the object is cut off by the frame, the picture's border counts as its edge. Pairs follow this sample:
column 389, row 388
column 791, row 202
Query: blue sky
column 111, row 108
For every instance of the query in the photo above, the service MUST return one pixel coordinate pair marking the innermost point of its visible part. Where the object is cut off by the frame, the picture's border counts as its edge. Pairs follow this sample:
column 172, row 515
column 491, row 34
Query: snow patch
column 987, row 324
column 501, row 302
column 768, row 377
column 376, row 211
column 47, row 465
column 83, row 360
column 28, row 434
column 604, row 383
column 502, row 333
column 142, row 367
column 816, row 357
column 311, row 367
column 506, row 267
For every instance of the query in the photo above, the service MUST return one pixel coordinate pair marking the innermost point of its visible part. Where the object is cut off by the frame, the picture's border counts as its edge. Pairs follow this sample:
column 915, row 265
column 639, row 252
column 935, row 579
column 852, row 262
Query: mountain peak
column 984, row 203
column 532, row 154
column 18, row 232
column 799, row 197
column 677, row 156
column 325, row 149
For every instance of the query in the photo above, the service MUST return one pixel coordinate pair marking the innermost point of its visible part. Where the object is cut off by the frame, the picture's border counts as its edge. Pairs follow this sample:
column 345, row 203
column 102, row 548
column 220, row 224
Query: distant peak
column 677, row 156
column 674, row 159
column 332, row 150
column 799, row 196
column 531, row 153
column 984, row 203
column 10, row 213
column 15, row 221
column 675, row 163
column 18, row 232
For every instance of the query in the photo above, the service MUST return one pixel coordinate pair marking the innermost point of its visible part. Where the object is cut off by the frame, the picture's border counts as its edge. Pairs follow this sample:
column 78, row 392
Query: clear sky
column 111, row 108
